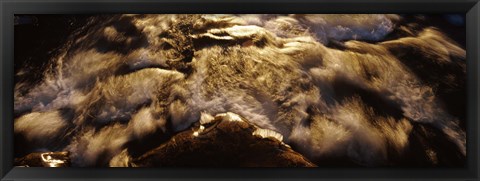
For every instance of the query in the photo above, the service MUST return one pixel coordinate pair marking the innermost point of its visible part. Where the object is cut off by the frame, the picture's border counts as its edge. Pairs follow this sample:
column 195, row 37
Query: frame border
column 10, row 7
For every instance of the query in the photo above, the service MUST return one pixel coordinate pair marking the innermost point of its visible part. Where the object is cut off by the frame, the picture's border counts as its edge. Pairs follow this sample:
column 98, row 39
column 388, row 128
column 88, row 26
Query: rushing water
column 334, row 86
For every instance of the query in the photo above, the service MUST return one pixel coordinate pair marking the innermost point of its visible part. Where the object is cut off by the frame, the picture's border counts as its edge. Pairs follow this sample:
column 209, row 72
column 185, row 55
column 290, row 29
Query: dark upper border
column 10, row 7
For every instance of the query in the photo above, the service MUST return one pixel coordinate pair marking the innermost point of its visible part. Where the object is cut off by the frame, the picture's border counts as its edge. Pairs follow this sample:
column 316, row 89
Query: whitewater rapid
column 331, row 85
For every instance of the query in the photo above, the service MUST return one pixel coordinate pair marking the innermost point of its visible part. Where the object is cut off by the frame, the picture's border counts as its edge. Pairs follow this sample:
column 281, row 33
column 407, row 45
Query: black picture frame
column 10, row 7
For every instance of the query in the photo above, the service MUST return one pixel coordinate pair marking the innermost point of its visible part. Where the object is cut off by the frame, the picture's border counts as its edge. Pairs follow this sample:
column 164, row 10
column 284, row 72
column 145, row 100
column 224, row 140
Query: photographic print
column 240, row 90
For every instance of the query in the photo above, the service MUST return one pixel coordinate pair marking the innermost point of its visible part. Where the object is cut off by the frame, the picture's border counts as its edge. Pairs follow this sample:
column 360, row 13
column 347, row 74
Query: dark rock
column 223, row 142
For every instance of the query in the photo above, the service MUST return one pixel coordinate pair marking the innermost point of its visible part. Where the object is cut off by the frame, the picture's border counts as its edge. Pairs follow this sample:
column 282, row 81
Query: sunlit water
column 123, row 78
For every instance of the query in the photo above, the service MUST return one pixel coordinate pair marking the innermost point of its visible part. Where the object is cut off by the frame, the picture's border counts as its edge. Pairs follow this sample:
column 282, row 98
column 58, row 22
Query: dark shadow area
column 430, row 147
column 447, row 79
column 345, row 89
column 38, row 38
column 127, row 37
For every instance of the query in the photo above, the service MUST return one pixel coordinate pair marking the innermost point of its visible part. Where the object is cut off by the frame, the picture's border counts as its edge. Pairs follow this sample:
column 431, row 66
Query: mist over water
column 363, row 88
